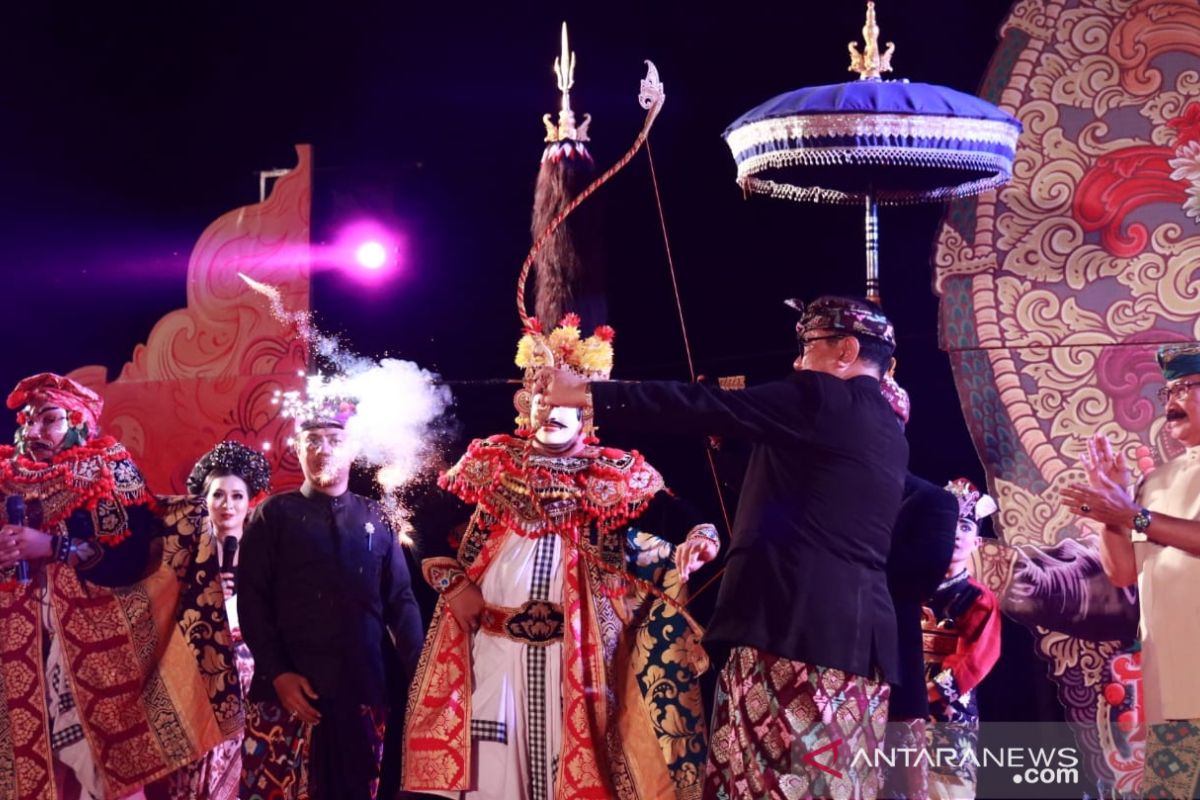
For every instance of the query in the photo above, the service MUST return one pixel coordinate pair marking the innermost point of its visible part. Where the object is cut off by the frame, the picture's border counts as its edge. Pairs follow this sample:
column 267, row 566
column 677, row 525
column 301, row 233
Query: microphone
column 228, row 551
column 14, row 507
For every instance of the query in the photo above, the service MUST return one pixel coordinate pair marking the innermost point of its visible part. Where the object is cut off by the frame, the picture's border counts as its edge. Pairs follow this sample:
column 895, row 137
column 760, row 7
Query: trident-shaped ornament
column 870, row 62
column 564, row 70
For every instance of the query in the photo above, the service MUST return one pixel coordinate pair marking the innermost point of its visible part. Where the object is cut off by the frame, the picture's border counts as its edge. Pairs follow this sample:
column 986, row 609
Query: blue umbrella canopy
column 883, row 142
column 873, row 142
column 898, row 141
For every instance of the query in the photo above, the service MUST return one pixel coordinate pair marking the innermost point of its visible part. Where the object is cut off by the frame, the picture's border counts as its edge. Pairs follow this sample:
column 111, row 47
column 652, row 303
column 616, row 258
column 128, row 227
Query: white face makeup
column 561, row 427
column 966, row 539
column 44, row 431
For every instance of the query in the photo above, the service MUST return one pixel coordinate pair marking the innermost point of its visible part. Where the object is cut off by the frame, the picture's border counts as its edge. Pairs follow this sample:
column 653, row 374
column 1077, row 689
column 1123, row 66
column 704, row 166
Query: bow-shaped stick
column 651, row 98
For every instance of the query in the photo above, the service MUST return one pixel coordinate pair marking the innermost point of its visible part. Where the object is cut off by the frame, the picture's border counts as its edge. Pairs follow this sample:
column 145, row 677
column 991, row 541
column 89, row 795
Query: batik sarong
column 953, row 779
column 218, row 775
column 286, row 759
column 785, row 729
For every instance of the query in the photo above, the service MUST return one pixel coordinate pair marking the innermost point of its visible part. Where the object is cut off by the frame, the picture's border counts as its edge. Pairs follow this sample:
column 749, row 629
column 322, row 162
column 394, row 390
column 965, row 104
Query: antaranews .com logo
column 1006, row 761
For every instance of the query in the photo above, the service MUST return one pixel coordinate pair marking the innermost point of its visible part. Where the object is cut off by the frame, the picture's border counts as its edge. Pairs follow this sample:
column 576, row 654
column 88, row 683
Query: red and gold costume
column 115, row 663
column 609, row 718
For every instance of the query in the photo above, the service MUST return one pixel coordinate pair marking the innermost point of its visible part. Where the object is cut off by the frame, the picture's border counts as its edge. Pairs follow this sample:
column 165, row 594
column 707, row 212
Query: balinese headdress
column 564, row 347
column 845, row 315
column 69, row 395
column 972, row 504
column 83, row 406
column 1178, row 360
column 322, row 404
column 569, row 267
column 249, row 465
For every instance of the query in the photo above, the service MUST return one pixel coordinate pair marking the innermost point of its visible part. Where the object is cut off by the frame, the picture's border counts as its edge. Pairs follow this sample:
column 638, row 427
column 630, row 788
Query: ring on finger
column 1085, row 508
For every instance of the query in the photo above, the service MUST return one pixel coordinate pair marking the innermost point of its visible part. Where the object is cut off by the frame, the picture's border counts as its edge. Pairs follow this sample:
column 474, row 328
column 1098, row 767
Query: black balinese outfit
column 324, row 592
column 804, row 603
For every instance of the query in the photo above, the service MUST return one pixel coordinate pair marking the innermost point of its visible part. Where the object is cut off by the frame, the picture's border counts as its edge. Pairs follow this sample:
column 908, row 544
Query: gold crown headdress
column 324, row 403
column 566, row 130
column 972, row 504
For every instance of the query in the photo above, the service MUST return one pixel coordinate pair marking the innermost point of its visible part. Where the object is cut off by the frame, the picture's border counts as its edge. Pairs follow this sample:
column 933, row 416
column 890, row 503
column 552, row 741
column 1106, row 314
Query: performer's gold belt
column 538, row 622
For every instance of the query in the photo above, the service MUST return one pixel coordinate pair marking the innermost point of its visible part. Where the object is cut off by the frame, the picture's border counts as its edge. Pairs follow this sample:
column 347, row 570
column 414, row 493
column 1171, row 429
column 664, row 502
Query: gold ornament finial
column 564, row 70
column 870, row 62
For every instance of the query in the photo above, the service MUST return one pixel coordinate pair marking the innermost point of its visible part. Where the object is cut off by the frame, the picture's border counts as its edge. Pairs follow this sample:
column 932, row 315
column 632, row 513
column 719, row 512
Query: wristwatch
column 1141, row 521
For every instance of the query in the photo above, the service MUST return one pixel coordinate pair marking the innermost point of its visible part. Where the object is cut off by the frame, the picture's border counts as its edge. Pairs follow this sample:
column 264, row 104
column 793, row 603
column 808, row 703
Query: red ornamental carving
column 209, row 371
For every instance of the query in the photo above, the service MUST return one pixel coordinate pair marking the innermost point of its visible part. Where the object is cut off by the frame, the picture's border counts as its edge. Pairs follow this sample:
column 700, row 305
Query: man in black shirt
column 804, row 605
column 326, row 607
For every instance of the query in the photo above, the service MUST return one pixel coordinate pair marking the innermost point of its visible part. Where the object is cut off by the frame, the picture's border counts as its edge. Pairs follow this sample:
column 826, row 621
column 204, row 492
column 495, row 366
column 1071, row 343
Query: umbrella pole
column 871, row 223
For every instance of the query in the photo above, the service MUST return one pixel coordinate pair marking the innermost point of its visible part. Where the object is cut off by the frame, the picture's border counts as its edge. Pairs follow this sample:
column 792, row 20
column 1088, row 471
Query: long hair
column 569, row 272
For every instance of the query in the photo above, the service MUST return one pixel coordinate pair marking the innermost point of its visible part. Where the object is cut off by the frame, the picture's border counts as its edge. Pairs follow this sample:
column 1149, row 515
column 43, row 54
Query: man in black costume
column 804, row 604
column 326, row 605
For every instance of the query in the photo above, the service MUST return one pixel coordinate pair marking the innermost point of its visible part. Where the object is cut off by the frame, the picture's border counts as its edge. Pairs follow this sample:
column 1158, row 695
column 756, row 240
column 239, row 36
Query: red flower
column 569, row 321
column 605, row 332
column 22, row 418
column 75, row 418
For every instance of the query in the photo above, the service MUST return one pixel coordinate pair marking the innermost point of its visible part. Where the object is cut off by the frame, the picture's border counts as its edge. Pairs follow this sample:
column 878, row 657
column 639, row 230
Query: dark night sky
column 126, row 132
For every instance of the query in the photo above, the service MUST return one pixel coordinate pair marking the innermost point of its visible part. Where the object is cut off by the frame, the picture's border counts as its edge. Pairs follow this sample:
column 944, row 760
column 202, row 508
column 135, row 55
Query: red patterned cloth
column 786, row 729
column 137, row 629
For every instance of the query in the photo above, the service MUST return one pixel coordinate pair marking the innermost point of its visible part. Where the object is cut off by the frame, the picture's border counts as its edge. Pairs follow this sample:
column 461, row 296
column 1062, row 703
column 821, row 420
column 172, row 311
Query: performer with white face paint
column 531, row 684
column 560, row 426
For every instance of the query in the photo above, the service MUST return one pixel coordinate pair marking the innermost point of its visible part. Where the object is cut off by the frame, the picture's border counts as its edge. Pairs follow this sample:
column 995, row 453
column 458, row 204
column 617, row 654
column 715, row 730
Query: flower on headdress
column 563, row 347
column 595, row 354
column 22, row 418
column 564, row 337
column 531, row 352
column 75, row 418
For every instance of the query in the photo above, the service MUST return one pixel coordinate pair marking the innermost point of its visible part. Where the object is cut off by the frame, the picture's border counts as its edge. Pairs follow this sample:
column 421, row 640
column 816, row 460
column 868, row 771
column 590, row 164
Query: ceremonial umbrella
column 873, row 142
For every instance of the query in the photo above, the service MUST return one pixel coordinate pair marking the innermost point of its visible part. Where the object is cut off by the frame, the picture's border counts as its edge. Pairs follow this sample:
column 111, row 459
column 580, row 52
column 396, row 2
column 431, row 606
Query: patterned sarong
column 286, row 759
column 1172, row 760
column 785, row 729
column 218, row 775
column 143, row 673
column 949, row 780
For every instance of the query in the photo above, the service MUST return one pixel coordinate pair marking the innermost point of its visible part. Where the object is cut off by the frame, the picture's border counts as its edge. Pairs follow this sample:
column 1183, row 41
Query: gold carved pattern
column 1076, row 271
column 1048, row 294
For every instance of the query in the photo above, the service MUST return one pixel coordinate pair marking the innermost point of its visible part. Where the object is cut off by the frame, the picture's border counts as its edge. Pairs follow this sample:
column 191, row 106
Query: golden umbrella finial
column 564, row 70
column 870, row 62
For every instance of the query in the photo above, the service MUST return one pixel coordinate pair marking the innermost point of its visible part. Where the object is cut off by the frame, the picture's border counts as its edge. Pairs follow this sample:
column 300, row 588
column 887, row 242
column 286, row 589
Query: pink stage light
column 371, row 255
column 367, row 250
